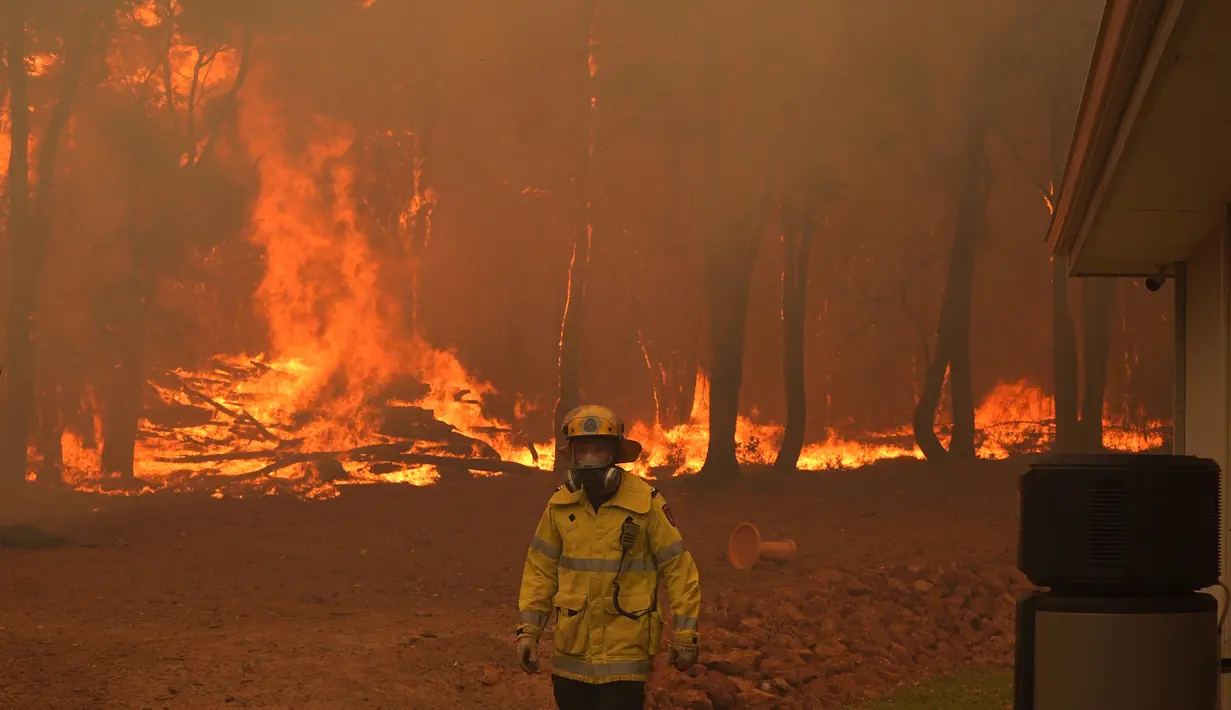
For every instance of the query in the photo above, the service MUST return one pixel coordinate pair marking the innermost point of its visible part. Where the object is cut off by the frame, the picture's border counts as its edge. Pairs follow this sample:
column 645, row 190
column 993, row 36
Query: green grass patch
column 974, row 689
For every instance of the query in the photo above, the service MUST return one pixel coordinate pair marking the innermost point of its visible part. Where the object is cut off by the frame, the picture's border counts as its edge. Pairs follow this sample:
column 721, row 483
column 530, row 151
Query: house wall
column 1207, row 360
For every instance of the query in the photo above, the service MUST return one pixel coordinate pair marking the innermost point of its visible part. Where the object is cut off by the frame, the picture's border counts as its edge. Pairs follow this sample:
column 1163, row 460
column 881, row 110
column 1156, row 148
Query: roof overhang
column 1149, row 170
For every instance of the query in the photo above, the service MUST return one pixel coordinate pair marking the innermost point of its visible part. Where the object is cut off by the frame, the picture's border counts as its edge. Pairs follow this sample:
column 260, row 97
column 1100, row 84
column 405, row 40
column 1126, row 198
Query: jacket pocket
column 572, row 632
column 632, row 638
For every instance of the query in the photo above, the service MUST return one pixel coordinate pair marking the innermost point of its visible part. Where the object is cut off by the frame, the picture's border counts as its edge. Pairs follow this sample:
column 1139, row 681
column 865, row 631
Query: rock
column 491, row 675
column 758, row 700
column 738, row 662
column 792, row 612
column 843, row 684
column 691, row 699
column 720, row 689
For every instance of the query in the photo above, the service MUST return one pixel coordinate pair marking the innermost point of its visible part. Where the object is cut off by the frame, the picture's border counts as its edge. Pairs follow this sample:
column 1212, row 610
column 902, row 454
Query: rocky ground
column 401, row 597
column 849, row 636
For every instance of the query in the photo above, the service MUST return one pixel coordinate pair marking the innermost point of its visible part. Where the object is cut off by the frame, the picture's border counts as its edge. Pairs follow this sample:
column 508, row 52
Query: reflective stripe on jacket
column 570, row 570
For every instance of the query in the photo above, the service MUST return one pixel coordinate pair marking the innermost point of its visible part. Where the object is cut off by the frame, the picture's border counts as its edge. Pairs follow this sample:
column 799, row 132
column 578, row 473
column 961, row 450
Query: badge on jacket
column 670, row 517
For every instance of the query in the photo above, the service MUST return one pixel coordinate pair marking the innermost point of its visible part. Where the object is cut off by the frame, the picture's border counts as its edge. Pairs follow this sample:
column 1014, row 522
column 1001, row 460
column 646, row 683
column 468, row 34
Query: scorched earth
column 392, row 596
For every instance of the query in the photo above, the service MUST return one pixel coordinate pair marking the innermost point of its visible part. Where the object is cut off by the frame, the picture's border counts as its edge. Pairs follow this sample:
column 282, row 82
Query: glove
column 528, row 653
column 682, row 657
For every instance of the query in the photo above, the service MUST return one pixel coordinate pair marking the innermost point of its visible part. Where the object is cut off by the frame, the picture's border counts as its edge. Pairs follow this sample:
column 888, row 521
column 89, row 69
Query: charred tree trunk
column 23, row 256
column 126, row 313
column 729, row 265
column 682, row 385
column 123, row 395
column 569, row 377
column 1065, row 379
column 569, row 373
column 959, row 292
column 953, row 330
column 728, row 308
column 420, row 229
column 1068, row 70
column 1098, row 299
column 30, row 219
column 50, row 431
column 923, row 422
column 1064, row 361
column 798, row 227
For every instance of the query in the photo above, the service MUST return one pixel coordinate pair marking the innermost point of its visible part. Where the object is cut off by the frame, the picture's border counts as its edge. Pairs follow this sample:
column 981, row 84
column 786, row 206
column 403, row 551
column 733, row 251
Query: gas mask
column 592, row 464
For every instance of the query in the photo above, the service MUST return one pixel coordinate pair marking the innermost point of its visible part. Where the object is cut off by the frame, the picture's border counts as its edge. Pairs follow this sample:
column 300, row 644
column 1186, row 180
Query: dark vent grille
column 1107, row 535
column 1138, row 523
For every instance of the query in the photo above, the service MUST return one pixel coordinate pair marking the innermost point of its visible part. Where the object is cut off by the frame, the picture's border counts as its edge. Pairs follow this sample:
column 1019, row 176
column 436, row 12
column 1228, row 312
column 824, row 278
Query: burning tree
column 581, row 225
column 46, row 42
column 172, row 128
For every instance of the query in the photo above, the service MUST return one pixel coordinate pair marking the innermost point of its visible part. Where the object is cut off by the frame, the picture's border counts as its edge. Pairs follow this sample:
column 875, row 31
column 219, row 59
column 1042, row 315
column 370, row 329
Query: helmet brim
column 628, row 452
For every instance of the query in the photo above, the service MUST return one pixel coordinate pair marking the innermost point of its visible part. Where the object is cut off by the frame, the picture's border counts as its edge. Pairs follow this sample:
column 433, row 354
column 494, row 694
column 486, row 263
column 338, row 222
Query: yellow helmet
column 596, row 420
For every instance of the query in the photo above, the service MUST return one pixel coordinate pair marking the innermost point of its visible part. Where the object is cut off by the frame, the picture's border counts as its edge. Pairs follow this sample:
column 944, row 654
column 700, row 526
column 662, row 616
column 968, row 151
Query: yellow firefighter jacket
column 570, row 570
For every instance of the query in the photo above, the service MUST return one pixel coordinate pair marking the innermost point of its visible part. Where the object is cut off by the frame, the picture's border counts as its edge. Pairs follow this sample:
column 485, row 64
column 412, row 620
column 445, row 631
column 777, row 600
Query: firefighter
column 605, row 543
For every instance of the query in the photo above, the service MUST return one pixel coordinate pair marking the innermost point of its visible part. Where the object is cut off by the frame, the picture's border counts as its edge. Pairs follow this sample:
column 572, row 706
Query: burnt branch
column 168, row 79
column 242, row 416
column 229, row 102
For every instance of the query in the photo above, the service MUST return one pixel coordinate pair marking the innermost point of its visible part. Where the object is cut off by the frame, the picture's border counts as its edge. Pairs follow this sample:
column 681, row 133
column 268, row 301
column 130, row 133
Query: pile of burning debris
column 220, row 430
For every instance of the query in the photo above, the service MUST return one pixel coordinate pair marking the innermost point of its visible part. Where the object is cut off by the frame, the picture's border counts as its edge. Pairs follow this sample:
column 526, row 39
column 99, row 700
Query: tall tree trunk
column 1097, row 300
column 121, row 416
column 953, row 329
column 728, row 308
column 29, row 228
column 798, row 228
column 1064, row 360
column 19, row 395
column 682, row 383
column 729, row 264
column 420, row 230
column 1065, row 379
column 49, row 438
column 569, row 372
column 923, row 422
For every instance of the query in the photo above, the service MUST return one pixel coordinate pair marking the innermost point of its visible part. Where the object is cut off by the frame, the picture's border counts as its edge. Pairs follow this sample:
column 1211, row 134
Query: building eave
column 1130, row 32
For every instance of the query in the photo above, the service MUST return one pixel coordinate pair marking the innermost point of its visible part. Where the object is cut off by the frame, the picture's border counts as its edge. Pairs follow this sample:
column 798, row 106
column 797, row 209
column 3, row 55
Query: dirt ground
column 395, row 596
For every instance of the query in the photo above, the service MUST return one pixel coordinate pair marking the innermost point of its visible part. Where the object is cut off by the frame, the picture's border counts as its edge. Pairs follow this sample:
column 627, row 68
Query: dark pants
column 616, row 695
